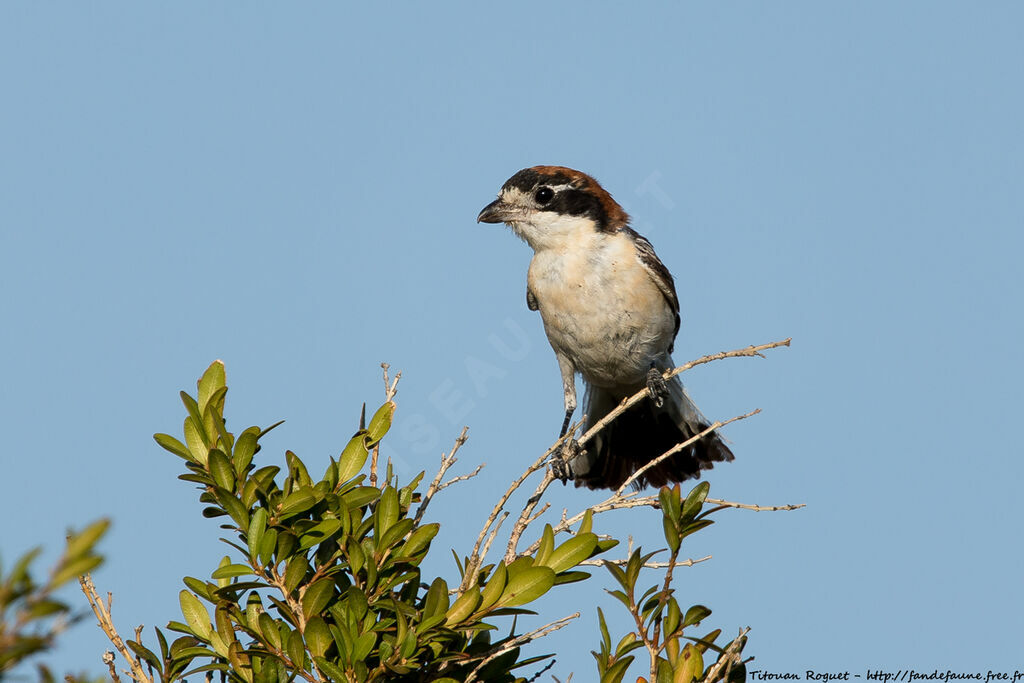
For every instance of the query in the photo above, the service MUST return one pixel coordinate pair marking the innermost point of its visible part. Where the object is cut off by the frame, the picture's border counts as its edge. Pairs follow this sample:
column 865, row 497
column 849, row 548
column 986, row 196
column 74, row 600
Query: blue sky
column 293, row 189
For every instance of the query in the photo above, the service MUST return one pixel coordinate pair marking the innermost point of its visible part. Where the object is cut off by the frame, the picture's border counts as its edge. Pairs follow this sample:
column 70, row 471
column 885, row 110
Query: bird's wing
column 658, row 272
column 531, row 300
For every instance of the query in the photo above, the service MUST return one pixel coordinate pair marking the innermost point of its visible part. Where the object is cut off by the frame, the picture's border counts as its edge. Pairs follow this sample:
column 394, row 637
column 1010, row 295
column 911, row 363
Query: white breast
column 600, row 307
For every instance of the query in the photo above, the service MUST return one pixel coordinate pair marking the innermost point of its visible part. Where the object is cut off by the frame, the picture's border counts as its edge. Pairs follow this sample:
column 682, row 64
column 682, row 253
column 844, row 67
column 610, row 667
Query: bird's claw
column 560, row 467
column 656, row 387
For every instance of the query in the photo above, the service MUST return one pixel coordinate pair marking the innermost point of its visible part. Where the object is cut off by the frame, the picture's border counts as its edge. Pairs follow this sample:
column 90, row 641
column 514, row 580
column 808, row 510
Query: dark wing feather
column 658, row 272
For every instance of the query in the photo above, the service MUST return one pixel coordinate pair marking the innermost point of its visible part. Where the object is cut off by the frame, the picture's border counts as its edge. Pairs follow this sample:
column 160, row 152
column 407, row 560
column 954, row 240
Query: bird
column 611, row 314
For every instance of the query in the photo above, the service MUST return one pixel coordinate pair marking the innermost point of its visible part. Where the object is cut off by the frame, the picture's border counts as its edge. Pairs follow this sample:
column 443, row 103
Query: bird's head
column 545, row 204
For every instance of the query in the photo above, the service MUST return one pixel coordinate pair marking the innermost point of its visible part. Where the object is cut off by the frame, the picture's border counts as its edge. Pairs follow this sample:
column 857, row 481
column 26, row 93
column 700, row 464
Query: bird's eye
column 543, row 195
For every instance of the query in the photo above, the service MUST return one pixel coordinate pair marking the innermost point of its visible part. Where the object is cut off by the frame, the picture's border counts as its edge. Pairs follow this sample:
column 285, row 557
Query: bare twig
column 493, row 534
column 390, row 389
column 680, row 446
column 475, row 559
column 640, row 395
column 649, row 565
column 521, row 640
column 108, row 659
column 447, row 460
column 727, row 660
column 461, row 477
column 106, row 623
column 756, row 508
column 526, row 516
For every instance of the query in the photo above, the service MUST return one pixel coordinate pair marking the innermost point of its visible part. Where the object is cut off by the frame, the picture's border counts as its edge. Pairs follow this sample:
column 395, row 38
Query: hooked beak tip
column 492, row 213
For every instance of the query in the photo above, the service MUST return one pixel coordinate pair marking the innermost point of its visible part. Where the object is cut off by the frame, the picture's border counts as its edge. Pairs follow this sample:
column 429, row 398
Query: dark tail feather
column 640, row 435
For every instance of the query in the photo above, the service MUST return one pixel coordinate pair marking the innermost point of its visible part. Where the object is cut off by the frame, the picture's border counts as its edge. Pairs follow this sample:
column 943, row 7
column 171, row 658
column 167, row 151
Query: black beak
column 495, row 212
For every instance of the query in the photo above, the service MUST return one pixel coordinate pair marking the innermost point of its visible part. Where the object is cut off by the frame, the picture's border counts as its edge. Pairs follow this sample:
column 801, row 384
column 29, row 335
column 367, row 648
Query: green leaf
column 200, row 588
column 195, row 615
column 380, row 423
column 267, row 546
column 295, row 572
column 691, row 665
column 195, row 440
column 363, row 645
column 672, row 536
column 352, row 459
column 84, row 541
column 213, row 379
column 387, row 510
column 268, row 627
column 169, row 443
column 317, row 596
column 586, row 526
column 615, row 673
column 254, row 534
column 38, row 609
column 672, row 617
column 527, row 586
column 299, row 501
column 668, row 497
column 361, row 496
column 695, row 615
column 494, row 587
column 419, row 539
column 333, row 671
column 296, row 649
column 75, row 568
column 546, row 545
column 253, row 609
column 145, row 654
column 570, row 577
column 230, row 571
column 245, row 448
column 319, row 533
column 227, row 500
column 436, row 600
column 695, row 500
column 390, row 538
column 572, row 552
column 221, row 470
column 464, row 606
column 318, row 637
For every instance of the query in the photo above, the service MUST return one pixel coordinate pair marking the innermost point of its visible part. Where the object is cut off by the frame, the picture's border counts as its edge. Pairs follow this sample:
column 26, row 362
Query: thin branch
column 521, row 640
column 493, row 534
column 474, row 560
column 106, row 623
column 390, row 389
column 649, row 565
column 108, row 659
column 461, row 477
column 447, row 460
column 728, row 658
column 680, row 446
column 643, row 393
column 756, row 508
column 526, row 516
column 625, row 501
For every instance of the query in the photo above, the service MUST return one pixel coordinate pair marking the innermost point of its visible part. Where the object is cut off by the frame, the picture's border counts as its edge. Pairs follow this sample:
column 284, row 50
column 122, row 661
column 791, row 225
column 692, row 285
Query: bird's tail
column 640, row 435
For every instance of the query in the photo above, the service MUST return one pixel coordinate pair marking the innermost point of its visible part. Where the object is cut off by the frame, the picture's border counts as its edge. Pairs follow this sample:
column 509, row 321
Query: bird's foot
column 656, row 387
column 560, row 467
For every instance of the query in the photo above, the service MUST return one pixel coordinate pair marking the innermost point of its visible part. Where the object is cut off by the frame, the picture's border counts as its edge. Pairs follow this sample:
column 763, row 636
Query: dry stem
column 106, row 623
column 727, row 660
column 640, row 395
column 522, row 640
column 447, row 460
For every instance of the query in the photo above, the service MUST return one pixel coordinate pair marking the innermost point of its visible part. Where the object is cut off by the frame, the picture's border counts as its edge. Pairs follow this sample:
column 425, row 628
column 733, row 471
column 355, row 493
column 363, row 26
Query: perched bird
column 611, row 313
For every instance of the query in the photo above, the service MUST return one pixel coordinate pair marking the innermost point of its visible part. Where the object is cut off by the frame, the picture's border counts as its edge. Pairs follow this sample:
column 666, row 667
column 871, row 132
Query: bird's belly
column 612, row 330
